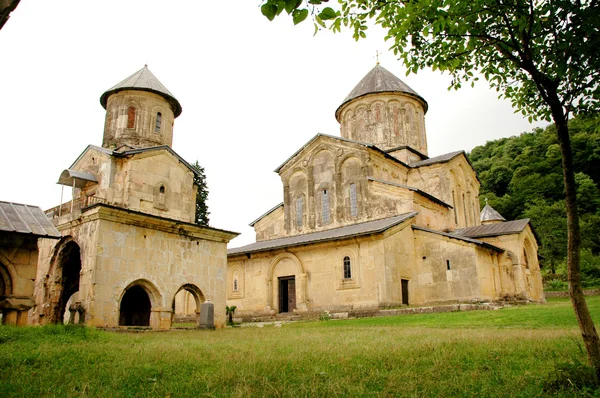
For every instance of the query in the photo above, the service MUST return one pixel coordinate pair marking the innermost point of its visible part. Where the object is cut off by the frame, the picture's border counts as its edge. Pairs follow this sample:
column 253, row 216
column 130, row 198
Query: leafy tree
column 201, row 196
column 539, row 54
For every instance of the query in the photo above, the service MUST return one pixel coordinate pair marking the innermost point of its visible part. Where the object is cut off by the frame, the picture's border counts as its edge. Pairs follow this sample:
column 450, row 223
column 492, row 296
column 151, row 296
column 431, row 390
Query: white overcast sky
column 252, row 93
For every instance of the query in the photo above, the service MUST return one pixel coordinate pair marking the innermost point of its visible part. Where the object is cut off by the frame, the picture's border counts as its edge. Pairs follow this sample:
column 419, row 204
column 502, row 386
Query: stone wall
column 121, row 249
column 18, row 263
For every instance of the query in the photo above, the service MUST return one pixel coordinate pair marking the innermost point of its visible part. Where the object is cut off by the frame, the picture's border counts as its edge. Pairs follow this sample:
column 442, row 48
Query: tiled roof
column 438, row 159
column 380, row 80
column 489, row 214
column 143, row 80
column 417, row 190
column 266, row 214
column 25, row 219
column 365, row 228
column 502, row 228
column 454, row 236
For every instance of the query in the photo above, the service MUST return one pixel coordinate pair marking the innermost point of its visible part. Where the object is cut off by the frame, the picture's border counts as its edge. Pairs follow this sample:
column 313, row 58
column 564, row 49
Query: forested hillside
column 522, row 178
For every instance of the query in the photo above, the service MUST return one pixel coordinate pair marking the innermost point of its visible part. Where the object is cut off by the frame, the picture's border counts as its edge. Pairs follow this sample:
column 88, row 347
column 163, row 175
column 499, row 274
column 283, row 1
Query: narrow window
column 455, row 212
column 161, row 195
column 525, row 259
column 235, row 285
column 347, row 268
column 448, row 265
column 158, row 122
column 353, row 204
column 325, row 206
column 131, row 117
column 299, row 212
column 465, row 210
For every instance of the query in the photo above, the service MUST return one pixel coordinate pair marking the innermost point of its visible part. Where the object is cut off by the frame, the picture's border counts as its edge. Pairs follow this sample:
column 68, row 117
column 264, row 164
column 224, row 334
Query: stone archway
column 63, row 279
column 186, row 297
column 284, row 269
column 137, row 303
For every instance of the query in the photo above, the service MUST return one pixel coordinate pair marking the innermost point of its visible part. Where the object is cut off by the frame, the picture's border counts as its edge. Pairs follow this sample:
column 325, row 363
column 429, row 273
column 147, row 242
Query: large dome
column 380, row 80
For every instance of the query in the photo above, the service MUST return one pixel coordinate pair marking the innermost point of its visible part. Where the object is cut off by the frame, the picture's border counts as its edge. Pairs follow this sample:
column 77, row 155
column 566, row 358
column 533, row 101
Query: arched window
column 158, row 122
column 299, row 209
column 525, row 262
column 161, row 196
column 325, row 206
column 347, row 268
column 353, row 203
column 131, row 117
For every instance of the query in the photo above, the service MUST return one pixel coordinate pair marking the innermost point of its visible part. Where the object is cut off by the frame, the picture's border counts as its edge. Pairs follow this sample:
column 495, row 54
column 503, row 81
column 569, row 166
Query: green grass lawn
column 504, row 353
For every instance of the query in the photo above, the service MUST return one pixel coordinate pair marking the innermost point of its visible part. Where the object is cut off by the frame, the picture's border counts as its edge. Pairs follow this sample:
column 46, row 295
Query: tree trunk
column 586, row 324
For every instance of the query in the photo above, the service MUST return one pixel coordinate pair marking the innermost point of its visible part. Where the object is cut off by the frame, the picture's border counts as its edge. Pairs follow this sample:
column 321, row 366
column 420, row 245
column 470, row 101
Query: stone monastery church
column 369, row 221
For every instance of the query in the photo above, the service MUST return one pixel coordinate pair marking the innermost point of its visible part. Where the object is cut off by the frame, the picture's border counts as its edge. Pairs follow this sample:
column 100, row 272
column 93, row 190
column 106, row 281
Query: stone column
column 301, row 290
column 310, row 205
column 269, row 301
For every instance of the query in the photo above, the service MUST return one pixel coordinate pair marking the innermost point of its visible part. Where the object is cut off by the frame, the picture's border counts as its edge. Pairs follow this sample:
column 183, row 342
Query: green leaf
column 299, row 15
column 327, row 13
column 320, row 21
column 269, row 10
column 292, row 5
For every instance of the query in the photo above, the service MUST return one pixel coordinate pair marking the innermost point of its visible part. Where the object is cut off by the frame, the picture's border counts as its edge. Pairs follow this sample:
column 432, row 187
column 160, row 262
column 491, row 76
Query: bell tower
column 384, row 111
column 140, row 112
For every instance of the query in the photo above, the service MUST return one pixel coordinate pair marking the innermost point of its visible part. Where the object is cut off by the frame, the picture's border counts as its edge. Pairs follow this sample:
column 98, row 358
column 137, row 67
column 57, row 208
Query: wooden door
column 287, row 294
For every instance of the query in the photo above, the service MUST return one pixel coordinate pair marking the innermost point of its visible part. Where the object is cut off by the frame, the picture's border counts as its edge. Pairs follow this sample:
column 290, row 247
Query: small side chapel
column 130, row 251
column 369, row 220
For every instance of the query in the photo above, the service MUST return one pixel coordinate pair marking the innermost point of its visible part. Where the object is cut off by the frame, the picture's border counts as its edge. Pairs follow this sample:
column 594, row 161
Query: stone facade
column 129, row 243
column 369, row 221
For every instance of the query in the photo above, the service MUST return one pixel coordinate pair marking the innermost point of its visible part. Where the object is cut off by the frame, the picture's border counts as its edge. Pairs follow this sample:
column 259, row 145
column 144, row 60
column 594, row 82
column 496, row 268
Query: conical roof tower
column 140, row 112
column 384, row 111
column 489, row 215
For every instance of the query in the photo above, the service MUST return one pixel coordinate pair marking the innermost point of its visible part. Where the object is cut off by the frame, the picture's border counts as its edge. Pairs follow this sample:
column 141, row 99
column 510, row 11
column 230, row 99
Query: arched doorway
column 135, row 308
column 187, row 303
column 65, row 279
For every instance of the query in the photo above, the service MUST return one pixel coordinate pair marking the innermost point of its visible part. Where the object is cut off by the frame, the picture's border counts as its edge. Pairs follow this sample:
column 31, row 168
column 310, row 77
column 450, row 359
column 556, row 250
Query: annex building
column 369, row 220
column 128, row 242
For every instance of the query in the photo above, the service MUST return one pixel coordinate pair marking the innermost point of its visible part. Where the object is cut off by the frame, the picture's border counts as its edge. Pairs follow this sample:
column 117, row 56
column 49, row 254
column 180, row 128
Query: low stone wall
column 590, row 292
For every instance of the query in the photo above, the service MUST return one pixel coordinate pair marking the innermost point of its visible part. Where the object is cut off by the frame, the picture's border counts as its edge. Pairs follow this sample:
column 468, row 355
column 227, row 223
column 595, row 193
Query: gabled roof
column 131, row 152
column 266, row 214
column 366, row 145
column 25, row 219
column 143, row 80
column 360, row 229
column 417, row 190
column 438, row 159
column 453, row 236
column 502, row 228
column 489, row 214
column 380, row 80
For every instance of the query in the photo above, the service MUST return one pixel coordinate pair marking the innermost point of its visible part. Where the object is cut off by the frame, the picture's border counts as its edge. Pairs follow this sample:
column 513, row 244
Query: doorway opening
column 135, row 307
column 66, row 280
column 404, row 291
column 287, row 294
column 187, row 303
